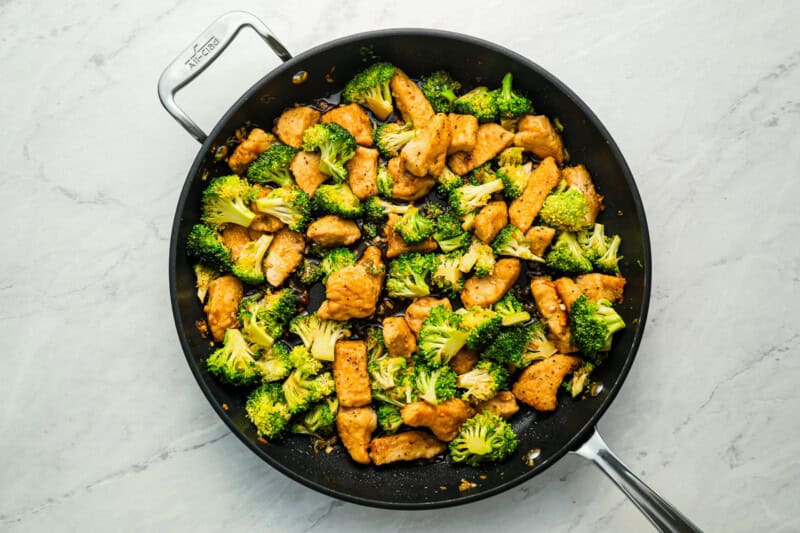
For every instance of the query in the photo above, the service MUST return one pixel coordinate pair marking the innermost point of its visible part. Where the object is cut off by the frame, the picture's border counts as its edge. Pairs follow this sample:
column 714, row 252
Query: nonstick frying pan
column 571, row 428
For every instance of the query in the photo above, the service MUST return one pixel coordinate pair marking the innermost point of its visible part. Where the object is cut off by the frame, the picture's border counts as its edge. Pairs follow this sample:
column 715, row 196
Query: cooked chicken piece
column 524, row 209
column 553, row 312
column 410, row 101
column 406, row 446
column 567, row 290
column 395, row 245
column 488, row 290
column 443, row 419
column 425, row 154
column 293, row 122
column 538, row 384
column 235, row 237
column 541, row 237
column 355, row 426
column 492, row 139
column 464, row 133
column 363, row 172
column 464, row 361
column 332, row 230
column 579, row 178
column 224, row 294
column 255, row 144
column 354, row 119
column 305, row 169
column 353, row 291
column 350, row 373
column 490, row 220
column 418, row 310
column 284, row 255
column 504, row 405
column 398, row 337
column 406, row 186
column 262, row 222
column 601, row 286
column 536, row 134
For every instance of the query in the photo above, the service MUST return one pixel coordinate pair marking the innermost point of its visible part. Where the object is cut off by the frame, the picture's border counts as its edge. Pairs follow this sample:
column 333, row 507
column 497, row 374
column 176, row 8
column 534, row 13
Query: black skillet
column 571, row 428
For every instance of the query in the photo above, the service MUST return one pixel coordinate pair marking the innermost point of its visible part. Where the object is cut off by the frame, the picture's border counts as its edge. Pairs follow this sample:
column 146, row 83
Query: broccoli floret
column 301, row 359
column 234, row 362
column 301, row 390
column 370, row 88
column 413, row 227
column 483, row 381
column 468, row 221
column 275, row 365
column 580, row 380
column 336, row 145
column 440, row 90
column 434, row 385
column 510, row 104
column 538, row 346
column 273, row 166
column 369, row 229
column 468, row 198
column 267, row 410
column 432, row 210
column 319, row 335
column 390, row 138
column 594, row 242
column 404, row 391
column 225, row 202
column 310, row 272
column 449, row 234
column 592, row 325
column 336, row 259
column 289, row 205
column 446, row 274
column 376, row 347
column 479, row 256
column 566, row 255
column 204, row 243
column 479, row 102
column 337, row 199
column 319, row 420
column 566, row 210
column 249, row 265
column 511, row 241
column 204, row 275
column 609, row 261
column 440, row 338
column 447, row 181
column 515, row 179
column 481, row 324
column 258, row 327
column 389, row 418
column 510, row 156
column 385, row 371
column 377, row 209
column 484, row 437
column 482, row 174
column 408, row 275
column 511, row 310
column 385, row 182
column 509, row 346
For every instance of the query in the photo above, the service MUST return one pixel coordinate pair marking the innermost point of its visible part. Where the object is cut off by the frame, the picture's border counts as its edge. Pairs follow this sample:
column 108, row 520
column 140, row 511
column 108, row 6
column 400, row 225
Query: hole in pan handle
column 201, row 53
column 663, row 515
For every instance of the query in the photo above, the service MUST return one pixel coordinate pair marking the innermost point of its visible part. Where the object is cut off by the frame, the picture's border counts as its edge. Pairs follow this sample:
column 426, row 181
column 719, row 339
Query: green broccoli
column 310, row 272
column 385, row 371
column 234, row 362
column 479, row 256
column 482, row 174
column 468, row 221
column 289, row 205
column 302, row 390
column 515, row 179
column 511, row 241
column 483, row 381
column 434, row 385
column 538, row 346
column 389, row 418
column 440, row 338
column 404, row 391
column 205, row 244
column 408, row 276
column 447, row 181
column 580, row 380
column 319, row 335
column 508, row 347
column 432, row 210
column 609, row 261
column 337, row 199
column 446, row 274
column 258, row 327
column 566, row 210
column 510, row 104
column 511, row 310
column 319, row 420
column 481, row 325
column 334, row 260
column 484, row 437
column 413, row 227
column 594, row 242
column 449, row 234
column 300, row 358
column 566, row 255
column 377, row 209
column 336, row 146
column 479, row 102
column 592, row 325
column 440, row 90
column 376, row 347
column 511, row 156
column 385, row 182
column 273, row 166
column 468, row 198
column 369, row 229
column 370, row 88
column 225, row 201
column 249, row 265
column 275, row 365
column 266, row 408
column 390, row 138
column 204, row 275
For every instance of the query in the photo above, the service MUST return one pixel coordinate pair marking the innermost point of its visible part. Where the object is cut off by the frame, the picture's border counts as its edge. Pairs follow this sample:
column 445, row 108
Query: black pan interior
column 472, row 61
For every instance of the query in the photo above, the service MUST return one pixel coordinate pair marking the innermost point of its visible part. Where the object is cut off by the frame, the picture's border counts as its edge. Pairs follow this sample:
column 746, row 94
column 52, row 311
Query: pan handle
column 663, row 515
column 201, row 53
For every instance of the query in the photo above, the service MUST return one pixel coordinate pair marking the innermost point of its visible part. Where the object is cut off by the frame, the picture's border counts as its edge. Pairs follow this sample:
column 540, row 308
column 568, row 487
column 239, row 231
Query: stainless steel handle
column 201, row 53
column 663, row 515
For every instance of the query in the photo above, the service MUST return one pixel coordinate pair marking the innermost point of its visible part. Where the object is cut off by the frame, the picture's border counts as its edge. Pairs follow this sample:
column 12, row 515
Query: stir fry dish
column 456, row 253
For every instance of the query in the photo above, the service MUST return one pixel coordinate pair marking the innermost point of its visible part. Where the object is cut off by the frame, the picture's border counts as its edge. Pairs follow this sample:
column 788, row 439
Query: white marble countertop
column 103, row 426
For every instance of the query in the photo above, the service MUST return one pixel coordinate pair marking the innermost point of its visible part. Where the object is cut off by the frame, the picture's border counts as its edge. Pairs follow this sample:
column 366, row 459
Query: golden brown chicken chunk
column 398, row 337
column 418, row 310
column 350, row 373
column 504, row 405
column 363, row 172
column 293, row 122
column 488, row 290
column 443, row 419
column 284, row 255
column 601, row 286
column 579, row 178
column 355, row 426
column 524, row 209
column 235, row 237
column 553, row 312
column 490, row 220
column 353, row 291
column 262, row 222
column 537, row 135
column 406, row 186
column 464, row 360
column 538, row 384
column 332, row 230
column 255, row 144
column 306, row 172
column 410, row 101
column 354, row 119
column 541, row 237
column 406, row 446
column 395, row 245
column 425, row 154
column 567, row 290
column 222, row 308
column 492, row 139
column 463, row 131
